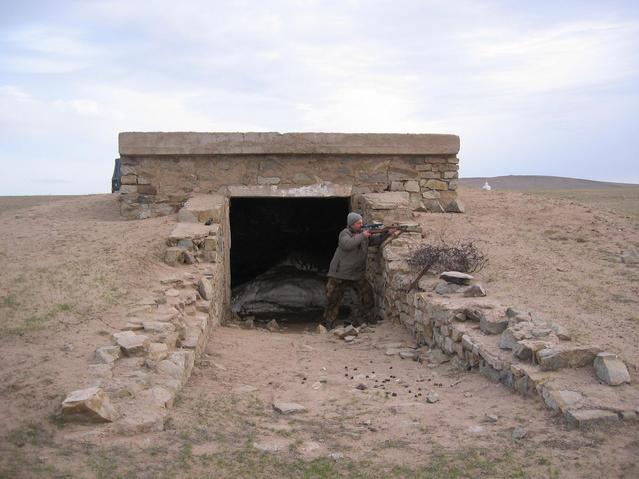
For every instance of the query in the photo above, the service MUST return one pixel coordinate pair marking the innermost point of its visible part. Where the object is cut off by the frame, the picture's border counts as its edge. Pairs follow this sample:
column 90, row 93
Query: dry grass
column 620, row 200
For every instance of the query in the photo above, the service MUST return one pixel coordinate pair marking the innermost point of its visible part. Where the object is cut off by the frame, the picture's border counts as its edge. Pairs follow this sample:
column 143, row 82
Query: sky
column 531, row 87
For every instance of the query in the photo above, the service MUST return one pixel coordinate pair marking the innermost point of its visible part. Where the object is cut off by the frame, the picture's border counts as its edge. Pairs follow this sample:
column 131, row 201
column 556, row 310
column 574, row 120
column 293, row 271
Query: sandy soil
column 72, row 269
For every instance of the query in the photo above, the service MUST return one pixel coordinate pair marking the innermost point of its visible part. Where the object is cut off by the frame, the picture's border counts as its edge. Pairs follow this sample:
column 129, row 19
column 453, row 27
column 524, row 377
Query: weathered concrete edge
column 192, row 143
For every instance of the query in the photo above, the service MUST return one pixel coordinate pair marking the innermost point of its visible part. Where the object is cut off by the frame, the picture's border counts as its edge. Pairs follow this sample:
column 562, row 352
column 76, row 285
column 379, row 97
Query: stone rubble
column 456, row 277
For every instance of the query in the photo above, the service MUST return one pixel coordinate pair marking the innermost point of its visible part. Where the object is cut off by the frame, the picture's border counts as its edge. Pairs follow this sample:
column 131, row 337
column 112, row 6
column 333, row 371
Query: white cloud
column 40, row 49
column 569, row 56
column 505, row 82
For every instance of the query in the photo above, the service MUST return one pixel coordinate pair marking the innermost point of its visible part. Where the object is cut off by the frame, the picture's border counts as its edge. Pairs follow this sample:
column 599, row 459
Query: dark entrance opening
column 280, row 252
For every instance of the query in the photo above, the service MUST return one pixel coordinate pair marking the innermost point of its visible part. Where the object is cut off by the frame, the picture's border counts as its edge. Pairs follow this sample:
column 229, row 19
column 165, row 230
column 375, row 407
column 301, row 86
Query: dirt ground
column 72, row 269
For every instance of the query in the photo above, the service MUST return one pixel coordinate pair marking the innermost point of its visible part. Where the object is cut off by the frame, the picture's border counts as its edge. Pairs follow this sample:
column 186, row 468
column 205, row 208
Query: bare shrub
column 464, row 257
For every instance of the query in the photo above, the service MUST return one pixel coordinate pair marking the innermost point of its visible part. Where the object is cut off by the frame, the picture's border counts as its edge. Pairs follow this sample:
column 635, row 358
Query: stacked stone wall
column 525, row 353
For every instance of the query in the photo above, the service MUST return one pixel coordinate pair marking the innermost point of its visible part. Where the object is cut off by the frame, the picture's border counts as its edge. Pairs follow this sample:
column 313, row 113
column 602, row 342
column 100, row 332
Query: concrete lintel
column 319, row 190
column 191, row 143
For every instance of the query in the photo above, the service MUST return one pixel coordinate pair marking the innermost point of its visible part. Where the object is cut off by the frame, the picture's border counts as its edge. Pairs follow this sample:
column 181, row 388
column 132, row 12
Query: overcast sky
column 537, row 87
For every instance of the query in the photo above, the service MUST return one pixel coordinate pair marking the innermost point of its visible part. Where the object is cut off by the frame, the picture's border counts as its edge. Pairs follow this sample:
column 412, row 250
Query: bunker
column 278, row 201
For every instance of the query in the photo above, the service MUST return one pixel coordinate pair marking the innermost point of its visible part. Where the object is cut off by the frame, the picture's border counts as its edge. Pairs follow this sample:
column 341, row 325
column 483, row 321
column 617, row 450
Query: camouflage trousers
column 335, row 289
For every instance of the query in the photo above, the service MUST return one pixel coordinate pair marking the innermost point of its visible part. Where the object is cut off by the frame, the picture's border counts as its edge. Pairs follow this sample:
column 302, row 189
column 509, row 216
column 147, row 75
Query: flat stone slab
column 158, row 326
column 562, row 400
column 447, row 288
column 200, row 208
column 586, row 418
column 551, row 359
column 107, row 354
column 90, row 405
column 288, row 407
column 404, row 353
column 191, row 231
column 132, row 344
column 456, row 277
column 189, row 143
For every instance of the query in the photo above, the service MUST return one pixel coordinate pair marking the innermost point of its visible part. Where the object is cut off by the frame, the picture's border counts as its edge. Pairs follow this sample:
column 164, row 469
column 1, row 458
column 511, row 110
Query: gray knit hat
column 353, row 218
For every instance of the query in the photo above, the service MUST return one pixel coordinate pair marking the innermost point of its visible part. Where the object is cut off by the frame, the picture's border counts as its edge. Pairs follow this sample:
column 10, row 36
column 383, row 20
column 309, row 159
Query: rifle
column 378, row 228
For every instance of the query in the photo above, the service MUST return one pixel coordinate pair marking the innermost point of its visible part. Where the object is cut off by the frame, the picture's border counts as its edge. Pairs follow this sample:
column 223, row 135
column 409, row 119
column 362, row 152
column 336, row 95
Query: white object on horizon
column 486, row 186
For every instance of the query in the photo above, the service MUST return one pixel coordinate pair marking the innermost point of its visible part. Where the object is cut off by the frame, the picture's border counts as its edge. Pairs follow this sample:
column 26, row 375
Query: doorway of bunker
column 281, row 249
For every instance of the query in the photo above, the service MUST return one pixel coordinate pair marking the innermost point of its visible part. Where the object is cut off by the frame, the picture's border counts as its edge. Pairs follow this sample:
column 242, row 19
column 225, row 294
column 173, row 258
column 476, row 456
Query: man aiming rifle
column 348, row 267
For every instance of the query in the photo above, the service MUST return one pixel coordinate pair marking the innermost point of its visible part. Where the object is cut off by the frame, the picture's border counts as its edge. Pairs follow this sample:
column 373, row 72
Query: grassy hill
column 622, row 198
column 534, row 182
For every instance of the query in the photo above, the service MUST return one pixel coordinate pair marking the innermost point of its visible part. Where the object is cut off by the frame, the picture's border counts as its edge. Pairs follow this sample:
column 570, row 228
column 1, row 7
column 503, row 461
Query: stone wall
column 522, row 351
column 137, row 376
column 160, row 171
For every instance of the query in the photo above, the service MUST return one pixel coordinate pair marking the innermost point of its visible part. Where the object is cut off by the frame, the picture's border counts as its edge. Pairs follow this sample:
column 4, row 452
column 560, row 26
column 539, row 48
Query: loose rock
column 447, row 288
column 473, row 314
column 491, row 418
column 90, row 404
column 409, row 354
column 158, row 351
column 519, row 433
column 551, row 359
column 273, row 326
column 288, row 407
column 349, row 330
column 610, row 369
column 562, row 400
column 474, row 291
column 107, row 354
column 205, row 288
column 587, row 418
column 490, row 325
column 456, row 277
column 132, row 344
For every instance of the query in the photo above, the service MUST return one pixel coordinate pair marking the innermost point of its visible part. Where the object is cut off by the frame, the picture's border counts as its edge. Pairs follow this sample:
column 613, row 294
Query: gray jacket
column 349, row 260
